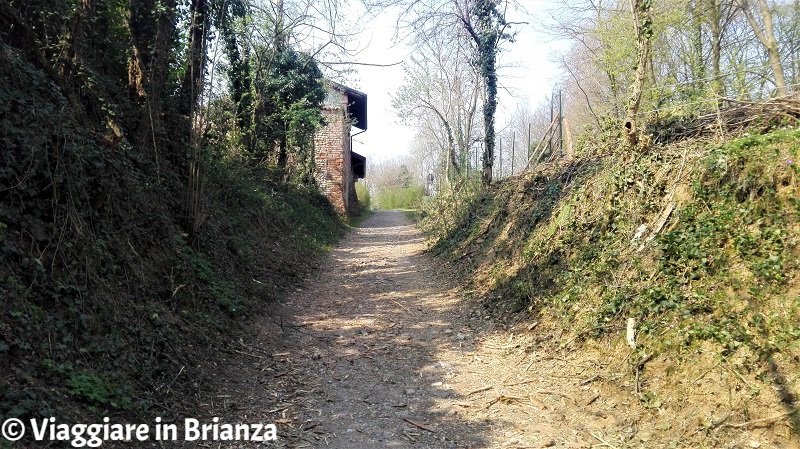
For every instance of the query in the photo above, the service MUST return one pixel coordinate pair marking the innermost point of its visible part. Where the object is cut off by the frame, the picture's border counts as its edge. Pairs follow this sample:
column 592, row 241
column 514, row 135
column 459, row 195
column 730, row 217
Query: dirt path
column 378, row 342
column 379, row 350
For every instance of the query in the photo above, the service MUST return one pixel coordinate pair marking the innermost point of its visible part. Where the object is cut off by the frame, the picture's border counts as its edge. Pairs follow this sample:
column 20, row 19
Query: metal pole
column 550, row 141
column 500, row 168
column 560, row 125
column 513, row 151
column 529, row 140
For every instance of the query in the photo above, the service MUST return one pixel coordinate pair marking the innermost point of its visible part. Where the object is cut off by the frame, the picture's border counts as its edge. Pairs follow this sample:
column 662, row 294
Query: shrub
column 364, row 199
column 400, row 198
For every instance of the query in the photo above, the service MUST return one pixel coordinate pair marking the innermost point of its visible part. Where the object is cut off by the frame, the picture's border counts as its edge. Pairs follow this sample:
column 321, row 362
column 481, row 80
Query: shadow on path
column 353, row 360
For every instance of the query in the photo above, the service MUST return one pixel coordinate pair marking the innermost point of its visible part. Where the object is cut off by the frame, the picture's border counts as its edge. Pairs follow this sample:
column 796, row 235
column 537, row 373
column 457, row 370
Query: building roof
column 356, row 104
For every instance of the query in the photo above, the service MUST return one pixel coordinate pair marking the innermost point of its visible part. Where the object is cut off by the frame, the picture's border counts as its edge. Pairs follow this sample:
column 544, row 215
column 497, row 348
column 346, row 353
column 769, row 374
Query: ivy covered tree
column 290, row 109
column 275, row 89
column 643, row 26
column 488, row 31
column 481, row 24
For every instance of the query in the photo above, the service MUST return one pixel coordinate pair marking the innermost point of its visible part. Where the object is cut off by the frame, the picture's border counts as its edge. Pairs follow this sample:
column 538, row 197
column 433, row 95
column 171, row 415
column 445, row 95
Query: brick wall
column 332, row 154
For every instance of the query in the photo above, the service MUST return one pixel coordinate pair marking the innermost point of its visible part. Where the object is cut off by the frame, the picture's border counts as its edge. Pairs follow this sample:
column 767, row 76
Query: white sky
column 531, row 80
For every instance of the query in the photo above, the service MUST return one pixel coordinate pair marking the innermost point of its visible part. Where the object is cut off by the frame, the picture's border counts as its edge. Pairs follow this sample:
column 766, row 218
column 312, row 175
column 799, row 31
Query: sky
column 530, row 78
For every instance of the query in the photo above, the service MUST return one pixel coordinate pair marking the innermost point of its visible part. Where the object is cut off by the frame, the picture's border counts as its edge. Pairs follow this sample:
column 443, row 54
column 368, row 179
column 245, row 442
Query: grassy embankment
column 107, row 308
column 698, row 242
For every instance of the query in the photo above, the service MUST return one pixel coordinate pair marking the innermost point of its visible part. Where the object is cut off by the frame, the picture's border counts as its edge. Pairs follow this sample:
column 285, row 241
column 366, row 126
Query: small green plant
column 98, row 391
column 56, row 368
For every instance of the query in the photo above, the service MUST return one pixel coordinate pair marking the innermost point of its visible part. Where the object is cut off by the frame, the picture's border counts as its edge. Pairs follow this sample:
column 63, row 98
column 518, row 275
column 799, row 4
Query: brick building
column 338, row 166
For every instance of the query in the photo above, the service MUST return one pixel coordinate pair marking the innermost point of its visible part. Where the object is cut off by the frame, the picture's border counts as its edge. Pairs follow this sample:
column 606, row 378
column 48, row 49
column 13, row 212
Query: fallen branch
column 605, row 443
column 521, row 383
column 480, row 390
column 505, row 399
column 557, row 393
column 256, row 356
column 769, row 419
column 737, row 116
column 421, row 426
column 535, row 152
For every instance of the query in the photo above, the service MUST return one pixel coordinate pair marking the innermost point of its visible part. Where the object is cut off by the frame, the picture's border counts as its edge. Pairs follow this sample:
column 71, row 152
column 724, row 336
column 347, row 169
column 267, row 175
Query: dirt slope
column 380, row 350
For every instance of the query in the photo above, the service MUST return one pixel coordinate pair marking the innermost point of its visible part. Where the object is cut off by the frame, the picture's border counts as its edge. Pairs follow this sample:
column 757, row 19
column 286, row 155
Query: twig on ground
column 521, row 383
column 590, row 380
column 401, row 305
column 529, row 365
column 248, row 354
column 480, row 390
column 605, row 443
column 742, row 378
column 768, row 419
column 704, row 373
column 421, row 426
column 506, row 399
column 557, row 393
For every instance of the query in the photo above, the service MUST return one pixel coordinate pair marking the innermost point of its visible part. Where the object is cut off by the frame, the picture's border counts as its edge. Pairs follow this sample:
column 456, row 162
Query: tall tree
column 192, row 82
column 488, row 32
column 231, row 22
column 442, row 91
column 292, row 102
column 767, row 39
column 483, row 24
column 152, row 26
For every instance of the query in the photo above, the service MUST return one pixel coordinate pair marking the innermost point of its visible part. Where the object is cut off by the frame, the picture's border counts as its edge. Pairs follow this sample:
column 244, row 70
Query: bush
column 364, row 199
column 400, row 198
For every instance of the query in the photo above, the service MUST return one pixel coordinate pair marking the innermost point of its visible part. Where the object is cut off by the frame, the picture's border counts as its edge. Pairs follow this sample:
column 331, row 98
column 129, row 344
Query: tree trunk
column 192, row 83
column 489, row 109
column 70, row 57
column 283, row 154
column 644, row 33
column 451, row 142
column 152, row 28
column 191, row 89
column 697, row 61
column 768, row 41
column 487, row 39
column 715, row 22
column 280, row 33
